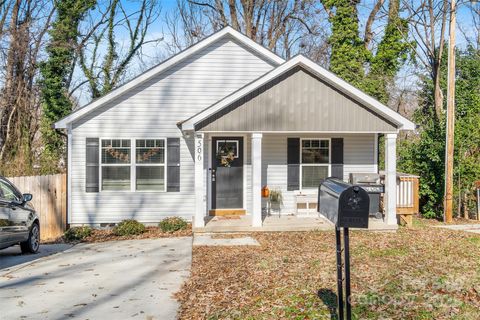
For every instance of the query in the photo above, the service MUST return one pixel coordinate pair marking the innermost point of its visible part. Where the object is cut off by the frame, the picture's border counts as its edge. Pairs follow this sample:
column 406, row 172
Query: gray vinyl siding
column 359, row 156
column 152, row 110
column 296, row 101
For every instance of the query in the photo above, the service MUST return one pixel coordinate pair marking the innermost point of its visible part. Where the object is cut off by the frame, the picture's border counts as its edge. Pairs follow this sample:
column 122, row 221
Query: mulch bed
column 102, row 235
column 418, row 273
column 99, row 235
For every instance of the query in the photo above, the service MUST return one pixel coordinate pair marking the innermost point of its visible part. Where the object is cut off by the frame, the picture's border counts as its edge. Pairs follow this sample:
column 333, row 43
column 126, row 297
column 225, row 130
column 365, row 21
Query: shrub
column 128, row 228
column 77, row 233
column 172, row 224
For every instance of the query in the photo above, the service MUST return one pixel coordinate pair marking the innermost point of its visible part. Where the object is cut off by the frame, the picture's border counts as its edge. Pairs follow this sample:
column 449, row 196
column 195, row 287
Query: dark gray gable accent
column 173, row 164
column 293, row 164
column 92, row 160
column 337, row 158
column 296, row 101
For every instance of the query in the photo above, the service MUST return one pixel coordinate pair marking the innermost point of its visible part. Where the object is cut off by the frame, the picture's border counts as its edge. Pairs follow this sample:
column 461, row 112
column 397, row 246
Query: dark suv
column 19, row 223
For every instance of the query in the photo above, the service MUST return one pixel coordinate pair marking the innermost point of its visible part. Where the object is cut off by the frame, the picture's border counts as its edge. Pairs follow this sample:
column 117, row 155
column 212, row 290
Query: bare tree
column 102, row 56
column 372, row 17
column 471, row 28
column 23, row 39
column 4, row 10
column 280, row 26
column 186, row 25
column 428, row 21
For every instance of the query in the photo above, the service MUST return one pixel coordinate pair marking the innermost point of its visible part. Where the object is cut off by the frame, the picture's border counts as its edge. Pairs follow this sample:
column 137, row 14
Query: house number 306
column 199, row 150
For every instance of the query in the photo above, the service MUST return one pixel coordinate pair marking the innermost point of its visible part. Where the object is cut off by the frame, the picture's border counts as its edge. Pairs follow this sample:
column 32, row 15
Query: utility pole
column 449, row 140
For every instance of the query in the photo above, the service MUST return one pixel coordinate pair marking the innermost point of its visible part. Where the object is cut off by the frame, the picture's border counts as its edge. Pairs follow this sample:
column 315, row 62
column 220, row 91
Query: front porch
column 285, row 223
column 288, row 130
column 266, row 159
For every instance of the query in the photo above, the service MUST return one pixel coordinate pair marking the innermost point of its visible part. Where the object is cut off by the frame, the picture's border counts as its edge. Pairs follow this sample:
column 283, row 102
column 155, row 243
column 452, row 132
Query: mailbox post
column 347, row 206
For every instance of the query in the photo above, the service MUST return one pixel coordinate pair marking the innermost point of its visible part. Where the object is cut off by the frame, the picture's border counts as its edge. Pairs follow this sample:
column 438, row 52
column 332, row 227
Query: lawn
column 418, row 273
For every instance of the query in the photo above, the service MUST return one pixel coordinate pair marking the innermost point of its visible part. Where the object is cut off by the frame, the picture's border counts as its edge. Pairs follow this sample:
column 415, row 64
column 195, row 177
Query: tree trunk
column 438, row 94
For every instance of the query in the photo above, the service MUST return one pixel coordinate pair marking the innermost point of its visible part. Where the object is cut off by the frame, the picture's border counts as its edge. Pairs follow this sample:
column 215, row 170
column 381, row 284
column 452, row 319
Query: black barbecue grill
column 370, row 182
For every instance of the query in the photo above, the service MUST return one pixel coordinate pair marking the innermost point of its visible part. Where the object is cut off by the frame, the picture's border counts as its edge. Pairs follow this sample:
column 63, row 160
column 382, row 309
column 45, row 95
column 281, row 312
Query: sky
column 155, row 52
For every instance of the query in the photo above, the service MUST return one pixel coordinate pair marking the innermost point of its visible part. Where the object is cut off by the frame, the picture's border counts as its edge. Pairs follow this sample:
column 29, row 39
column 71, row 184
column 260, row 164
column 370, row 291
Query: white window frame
column 133, row 164
column 329, row 164
column 164, row 165
column 101, row 164
column 229, row 141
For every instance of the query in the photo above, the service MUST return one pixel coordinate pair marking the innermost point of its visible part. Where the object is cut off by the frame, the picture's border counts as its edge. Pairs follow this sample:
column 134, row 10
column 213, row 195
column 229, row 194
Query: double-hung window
column 315, row 162
column 133, row 165
column 115, row 164
column 150, row 165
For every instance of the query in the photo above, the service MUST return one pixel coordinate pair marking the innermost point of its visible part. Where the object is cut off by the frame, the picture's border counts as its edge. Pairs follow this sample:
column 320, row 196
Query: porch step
column 227, row 212
column 210, row 239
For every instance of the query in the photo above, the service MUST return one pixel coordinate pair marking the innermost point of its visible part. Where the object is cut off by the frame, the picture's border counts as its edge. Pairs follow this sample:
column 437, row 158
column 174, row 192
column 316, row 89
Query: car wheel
column 33, row 242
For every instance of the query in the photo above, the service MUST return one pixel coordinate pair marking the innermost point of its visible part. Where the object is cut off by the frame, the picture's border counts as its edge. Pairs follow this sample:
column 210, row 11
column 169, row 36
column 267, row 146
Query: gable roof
column 375, row 106
column 296, row 101
column 227, row 31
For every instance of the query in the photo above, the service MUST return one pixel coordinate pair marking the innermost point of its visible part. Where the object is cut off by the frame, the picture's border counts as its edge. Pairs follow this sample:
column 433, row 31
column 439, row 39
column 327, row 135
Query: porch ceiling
column 296, row 101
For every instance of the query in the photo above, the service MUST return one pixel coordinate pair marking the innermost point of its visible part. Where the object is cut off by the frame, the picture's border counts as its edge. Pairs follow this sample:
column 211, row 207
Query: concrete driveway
column 11, row 258
column 111, row 280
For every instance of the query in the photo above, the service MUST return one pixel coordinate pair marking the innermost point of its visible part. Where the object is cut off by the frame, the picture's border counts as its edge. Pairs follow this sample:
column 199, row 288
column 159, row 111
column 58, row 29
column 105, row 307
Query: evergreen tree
column 425, row 154
column 349, row 54
column 57, row 71
column 467, row 128
column 350, row 57
column 391, row 53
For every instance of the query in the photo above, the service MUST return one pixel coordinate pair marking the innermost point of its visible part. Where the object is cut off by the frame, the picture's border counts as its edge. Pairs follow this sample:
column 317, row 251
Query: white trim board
column 300, row 132
column 328, row 164
column 69, row 173
column 299, row 60
column 227, row 31
column 133, row 165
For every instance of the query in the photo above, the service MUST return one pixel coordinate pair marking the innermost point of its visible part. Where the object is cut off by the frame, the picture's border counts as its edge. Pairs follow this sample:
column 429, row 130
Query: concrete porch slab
column 283, row 223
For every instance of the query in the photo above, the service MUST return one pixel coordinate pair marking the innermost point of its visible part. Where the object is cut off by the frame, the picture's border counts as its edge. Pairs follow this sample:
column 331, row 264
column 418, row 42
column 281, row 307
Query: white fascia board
column 227, row 31
column 348, row 89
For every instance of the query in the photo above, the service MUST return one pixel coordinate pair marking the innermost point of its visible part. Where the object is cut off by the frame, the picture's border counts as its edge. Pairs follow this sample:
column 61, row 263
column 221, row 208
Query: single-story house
column 201, row 133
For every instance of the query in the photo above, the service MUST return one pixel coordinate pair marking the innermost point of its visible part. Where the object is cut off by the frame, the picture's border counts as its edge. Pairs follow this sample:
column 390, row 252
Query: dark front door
column 227, row 172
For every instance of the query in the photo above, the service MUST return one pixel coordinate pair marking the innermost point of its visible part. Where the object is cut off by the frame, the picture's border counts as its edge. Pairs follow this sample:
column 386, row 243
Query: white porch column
column 391, row 178
column 256, row 179
column 200, row 198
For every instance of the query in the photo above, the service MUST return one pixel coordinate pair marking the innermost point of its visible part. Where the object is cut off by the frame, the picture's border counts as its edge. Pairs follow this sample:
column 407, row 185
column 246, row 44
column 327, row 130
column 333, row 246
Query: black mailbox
column 343, row 204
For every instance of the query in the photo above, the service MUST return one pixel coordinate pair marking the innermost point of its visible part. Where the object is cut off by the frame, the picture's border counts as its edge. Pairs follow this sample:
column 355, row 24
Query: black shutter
column 293, row 163
column 337, row 158
column 173, row 164
column 92, row 164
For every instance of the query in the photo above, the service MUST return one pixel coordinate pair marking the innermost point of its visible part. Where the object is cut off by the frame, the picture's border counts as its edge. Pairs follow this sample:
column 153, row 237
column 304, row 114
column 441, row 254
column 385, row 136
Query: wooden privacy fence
column 49, row 199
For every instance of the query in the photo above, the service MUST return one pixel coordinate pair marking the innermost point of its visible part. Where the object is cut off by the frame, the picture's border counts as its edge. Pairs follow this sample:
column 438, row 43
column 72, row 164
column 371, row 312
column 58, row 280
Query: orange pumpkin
column 265, row 192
